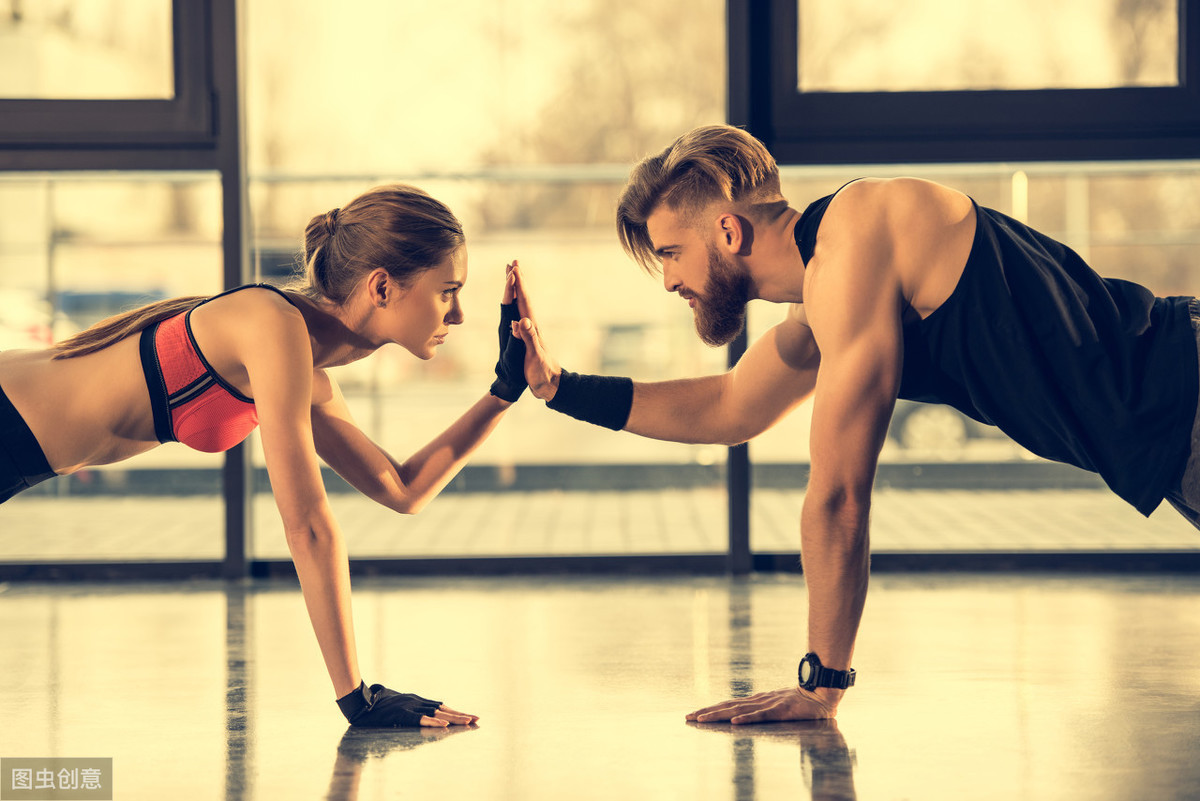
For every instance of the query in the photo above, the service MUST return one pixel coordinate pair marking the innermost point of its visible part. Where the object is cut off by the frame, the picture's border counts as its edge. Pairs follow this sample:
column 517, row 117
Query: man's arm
column 774, row 376
column 854, row 302
column 856, row 391
column 777, row 373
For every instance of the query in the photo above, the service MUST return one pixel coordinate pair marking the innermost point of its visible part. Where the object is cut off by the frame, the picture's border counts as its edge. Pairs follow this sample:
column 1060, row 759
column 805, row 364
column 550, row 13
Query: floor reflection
column 826, row 763
column 359, row 746
column 217, row 690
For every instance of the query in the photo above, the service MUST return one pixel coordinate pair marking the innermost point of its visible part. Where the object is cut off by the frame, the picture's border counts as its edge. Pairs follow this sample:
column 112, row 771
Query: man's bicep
column 777, row 372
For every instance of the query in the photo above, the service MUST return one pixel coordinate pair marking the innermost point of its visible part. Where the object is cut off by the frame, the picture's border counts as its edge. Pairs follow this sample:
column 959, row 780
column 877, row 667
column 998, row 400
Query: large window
column 529, row 141
column 948, row 483
column 75, row 249
column 110, row 75
column 122, row 46
column 931, row 45
column 863, row 82
column 525, row 117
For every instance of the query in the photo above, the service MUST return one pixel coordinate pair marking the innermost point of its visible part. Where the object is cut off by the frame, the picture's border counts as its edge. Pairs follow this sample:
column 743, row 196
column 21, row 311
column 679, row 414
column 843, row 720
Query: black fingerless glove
column 377, row 707
column 510, row 369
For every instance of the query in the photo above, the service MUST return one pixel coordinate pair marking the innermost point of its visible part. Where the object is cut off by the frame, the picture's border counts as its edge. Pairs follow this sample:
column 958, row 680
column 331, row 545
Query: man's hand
column 790, row 703
column 541, row 370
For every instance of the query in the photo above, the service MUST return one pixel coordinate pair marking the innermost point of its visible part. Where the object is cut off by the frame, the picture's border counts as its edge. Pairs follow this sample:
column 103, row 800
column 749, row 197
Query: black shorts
column 22, row 463
column 1185, row 496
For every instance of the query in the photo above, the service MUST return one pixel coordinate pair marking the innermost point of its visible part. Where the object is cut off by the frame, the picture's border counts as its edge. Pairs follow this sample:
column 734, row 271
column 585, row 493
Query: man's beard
column 721, row 312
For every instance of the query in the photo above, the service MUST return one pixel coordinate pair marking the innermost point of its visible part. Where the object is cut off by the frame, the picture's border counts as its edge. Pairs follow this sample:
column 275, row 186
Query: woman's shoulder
column 252, row 315
column 260, row 301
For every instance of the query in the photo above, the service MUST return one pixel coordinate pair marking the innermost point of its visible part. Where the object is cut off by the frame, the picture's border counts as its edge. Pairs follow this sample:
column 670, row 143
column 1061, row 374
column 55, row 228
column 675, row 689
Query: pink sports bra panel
column 204, row 411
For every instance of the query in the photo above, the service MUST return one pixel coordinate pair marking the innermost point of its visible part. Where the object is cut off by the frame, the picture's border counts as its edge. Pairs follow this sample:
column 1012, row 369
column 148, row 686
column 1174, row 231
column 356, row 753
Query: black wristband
column 598, row 399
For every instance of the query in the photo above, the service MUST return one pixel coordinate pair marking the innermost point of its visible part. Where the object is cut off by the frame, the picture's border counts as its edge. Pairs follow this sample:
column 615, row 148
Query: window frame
column 951, row 126
column 188, row 118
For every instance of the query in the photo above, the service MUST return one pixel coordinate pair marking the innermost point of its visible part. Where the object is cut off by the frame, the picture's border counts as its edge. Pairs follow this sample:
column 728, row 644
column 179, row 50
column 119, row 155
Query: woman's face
column 425, row 310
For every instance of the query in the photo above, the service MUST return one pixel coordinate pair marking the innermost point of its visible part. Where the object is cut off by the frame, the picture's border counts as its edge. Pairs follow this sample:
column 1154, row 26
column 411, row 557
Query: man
column 897, row 288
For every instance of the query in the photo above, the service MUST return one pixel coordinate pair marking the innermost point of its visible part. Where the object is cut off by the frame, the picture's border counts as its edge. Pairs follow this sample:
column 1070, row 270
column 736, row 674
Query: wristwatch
column 813, row 674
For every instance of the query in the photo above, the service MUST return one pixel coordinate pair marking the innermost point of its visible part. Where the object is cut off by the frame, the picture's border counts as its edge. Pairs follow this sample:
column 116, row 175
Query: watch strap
column 823, row 676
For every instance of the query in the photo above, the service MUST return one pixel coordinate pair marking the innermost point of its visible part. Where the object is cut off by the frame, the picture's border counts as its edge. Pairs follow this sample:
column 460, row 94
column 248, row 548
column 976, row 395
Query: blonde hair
column 707, row 164
column 398, row 228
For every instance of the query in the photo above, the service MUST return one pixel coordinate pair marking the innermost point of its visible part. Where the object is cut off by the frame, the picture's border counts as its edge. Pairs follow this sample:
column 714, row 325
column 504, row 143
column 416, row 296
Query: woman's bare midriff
column 87, row 410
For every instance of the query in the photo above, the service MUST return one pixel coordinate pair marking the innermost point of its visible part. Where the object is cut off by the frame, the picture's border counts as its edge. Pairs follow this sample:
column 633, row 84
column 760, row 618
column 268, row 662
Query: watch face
column 806, row 671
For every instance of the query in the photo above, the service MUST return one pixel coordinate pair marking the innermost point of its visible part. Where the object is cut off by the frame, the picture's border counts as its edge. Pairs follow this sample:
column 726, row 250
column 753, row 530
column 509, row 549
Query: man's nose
column 670, row 282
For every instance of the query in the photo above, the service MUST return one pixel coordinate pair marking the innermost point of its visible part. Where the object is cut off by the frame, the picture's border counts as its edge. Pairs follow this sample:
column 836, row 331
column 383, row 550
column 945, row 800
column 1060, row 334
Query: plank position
column 387, row 268
column 894, row 288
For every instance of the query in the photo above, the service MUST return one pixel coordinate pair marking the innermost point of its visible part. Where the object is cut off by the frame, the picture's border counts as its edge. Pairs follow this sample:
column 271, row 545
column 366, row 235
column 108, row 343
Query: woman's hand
column 541, row 370
column 510, row 366
column 377, row 707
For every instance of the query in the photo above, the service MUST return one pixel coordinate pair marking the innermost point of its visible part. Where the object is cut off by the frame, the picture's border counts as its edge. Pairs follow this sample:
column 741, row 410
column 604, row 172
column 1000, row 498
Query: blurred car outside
column 25, row 320
column 934, row 427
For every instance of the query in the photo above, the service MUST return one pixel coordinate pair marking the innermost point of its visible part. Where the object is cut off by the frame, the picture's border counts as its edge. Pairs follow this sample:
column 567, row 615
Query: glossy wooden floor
column 970, row 688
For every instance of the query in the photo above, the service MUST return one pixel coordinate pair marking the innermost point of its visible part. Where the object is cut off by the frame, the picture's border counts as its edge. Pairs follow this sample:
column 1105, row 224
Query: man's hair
column 705, row 165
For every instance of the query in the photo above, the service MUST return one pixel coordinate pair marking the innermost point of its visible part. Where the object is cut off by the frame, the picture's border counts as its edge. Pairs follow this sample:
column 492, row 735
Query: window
column 75, row 248
column 948, row 484
column 824, row 82
column 148, row 72
column 529, row 140
column 930, row 45
column 122, row 46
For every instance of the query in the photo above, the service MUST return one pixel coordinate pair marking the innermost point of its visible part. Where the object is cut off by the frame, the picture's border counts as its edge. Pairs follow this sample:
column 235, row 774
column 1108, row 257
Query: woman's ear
column 380, row 288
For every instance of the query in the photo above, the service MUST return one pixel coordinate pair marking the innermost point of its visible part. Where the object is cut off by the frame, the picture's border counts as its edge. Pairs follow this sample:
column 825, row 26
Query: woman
column 387, row 268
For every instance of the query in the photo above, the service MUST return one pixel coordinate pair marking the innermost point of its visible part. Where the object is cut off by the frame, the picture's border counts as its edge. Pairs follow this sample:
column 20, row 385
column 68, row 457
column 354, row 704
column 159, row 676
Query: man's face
column 715, row 287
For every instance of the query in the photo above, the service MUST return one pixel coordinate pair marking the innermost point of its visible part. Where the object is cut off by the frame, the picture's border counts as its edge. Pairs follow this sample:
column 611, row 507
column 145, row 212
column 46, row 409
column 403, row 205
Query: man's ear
column 731, row 232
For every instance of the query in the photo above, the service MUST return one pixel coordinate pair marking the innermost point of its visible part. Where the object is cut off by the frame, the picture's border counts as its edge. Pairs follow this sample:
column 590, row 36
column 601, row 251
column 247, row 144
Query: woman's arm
column 278, row 360
column 403, row 486
column 407, row 486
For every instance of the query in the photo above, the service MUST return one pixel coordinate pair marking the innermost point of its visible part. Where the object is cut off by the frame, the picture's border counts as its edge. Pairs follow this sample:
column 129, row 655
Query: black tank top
column 1091, row 371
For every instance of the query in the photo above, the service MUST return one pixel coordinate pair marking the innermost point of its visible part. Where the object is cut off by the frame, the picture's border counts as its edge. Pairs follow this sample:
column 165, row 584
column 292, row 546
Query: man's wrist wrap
column 598, row 399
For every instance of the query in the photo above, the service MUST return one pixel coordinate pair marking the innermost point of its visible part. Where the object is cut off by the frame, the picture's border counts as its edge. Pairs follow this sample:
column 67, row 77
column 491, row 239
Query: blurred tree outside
column 638, row 76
